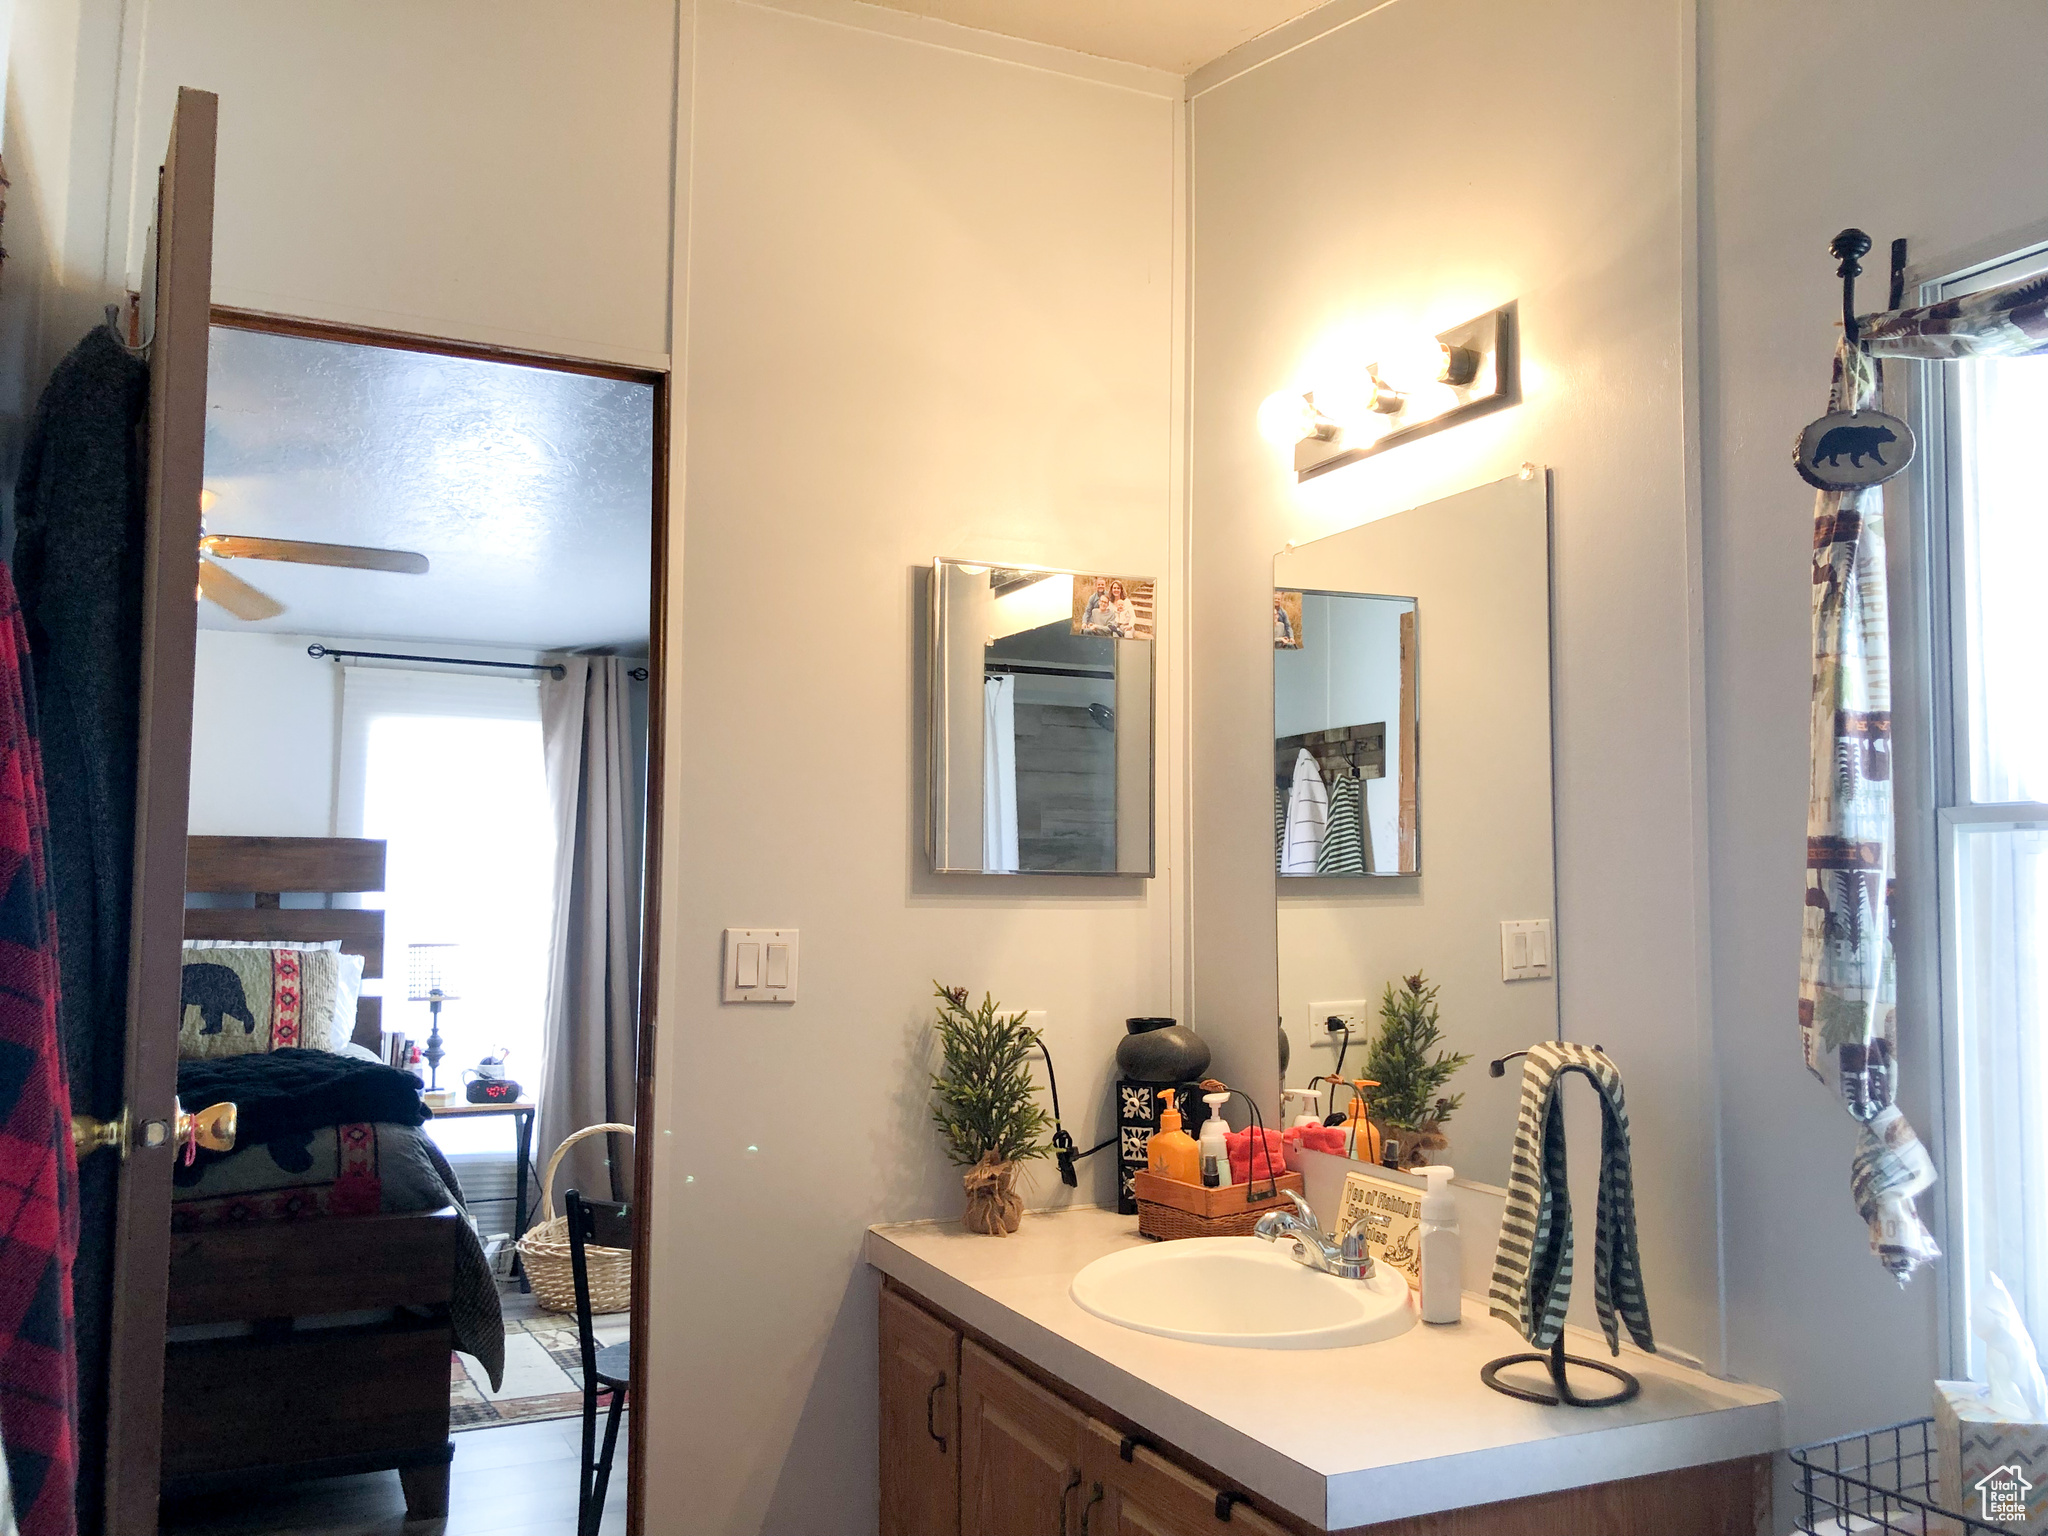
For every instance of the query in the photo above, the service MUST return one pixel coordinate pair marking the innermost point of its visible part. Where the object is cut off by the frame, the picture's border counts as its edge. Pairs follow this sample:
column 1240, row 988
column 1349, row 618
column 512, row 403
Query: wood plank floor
column 516, row 1481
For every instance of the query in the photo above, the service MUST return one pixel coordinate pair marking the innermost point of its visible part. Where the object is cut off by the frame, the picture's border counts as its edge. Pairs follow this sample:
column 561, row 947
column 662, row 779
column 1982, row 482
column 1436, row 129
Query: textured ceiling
column 530, row 491
column 1174, row 35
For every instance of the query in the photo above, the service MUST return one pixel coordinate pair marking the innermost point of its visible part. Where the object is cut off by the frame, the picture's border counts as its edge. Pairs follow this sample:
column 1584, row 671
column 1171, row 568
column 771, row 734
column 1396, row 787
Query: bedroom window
column 1990, row 540
column 447, row 769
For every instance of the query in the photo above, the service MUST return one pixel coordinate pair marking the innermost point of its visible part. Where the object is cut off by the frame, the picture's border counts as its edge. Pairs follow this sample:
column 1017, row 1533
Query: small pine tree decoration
column 1409, row 1097
column 986, row 1106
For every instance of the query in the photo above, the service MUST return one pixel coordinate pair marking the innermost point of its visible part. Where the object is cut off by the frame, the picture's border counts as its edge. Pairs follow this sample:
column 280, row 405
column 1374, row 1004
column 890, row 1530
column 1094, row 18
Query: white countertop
column 1338, row 1437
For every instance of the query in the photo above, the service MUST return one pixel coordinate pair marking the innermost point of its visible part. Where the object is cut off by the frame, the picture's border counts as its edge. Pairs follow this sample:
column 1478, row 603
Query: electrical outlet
column 1355, row 1012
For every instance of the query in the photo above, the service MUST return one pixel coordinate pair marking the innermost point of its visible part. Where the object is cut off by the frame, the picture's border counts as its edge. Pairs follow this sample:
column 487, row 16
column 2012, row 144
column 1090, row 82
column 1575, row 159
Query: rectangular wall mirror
column 1412, row 793
column 1041, row 721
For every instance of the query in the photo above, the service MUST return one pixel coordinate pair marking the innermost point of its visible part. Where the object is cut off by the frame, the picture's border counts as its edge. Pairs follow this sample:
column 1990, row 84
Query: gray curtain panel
column 593, row 1002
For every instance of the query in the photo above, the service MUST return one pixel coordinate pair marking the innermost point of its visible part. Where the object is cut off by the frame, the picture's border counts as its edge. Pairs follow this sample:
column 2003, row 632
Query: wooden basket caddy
column 545, row 1249
column 1169, row 1209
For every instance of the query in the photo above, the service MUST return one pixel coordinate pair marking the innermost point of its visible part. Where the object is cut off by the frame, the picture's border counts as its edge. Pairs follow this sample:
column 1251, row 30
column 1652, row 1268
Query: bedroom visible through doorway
column 422, row 694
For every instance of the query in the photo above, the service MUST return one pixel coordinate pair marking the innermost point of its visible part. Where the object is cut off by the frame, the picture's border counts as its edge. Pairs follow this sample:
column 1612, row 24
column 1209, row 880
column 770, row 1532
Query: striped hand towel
column 1532, row 1269
column 1308, row 816
column 1343, row 850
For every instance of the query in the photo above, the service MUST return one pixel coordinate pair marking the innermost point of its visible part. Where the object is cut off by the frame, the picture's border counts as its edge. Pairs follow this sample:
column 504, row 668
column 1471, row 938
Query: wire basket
column 1879, row 1483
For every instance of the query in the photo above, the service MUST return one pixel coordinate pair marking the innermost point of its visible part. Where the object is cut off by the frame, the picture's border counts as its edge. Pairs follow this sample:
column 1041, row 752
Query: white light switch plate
column 760, row 965
column 1525, row 950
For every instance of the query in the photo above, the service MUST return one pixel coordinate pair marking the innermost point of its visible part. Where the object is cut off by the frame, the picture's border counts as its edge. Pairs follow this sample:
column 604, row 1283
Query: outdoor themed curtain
column 1847, row 1013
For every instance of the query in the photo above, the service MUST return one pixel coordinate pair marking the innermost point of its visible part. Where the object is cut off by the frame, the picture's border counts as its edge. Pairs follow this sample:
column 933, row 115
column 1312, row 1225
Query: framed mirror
column 1412, row 795
column 1042, row 723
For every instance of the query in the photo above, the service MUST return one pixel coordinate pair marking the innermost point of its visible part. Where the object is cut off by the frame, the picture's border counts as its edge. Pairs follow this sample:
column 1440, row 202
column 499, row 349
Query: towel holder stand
column 1555, row 1358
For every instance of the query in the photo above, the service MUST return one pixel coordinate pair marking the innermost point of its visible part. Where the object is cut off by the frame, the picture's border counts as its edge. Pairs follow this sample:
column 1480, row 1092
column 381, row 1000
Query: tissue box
column 1990, row 1469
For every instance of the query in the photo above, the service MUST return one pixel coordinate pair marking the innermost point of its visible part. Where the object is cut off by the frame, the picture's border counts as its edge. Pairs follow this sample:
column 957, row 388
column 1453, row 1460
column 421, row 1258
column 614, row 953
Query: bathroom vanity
column 1009, row 1410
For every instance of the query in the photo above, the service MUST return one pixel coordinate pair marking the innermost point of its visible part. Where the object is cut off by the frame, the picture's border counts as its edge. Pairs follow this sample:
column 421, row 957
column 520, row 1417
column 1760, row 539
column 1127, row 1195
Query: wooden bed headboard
column 267, row 868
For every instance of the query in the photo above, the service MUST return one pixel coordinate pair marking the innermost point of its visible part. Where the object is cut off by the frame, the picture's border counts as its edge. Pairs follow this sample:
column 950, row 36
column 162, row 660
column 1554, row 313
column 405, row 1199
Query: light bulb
column 1414, row 363
column 1286, row 418
column 207, row 502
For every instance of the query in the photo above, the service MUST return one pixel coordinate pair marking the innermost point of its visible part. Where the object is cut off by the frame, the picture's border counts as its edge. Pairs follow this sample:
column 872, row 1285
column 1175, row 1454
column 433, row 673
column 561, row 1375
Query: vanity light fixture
column 1458, row 374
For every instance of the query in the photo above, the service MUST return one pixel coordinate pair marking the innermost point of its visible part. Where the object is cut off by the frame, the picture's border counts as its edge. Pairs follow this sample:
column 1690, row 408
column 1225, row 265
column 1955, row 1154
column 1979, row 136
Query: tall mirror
column 1412, row 800
column 1041, row 721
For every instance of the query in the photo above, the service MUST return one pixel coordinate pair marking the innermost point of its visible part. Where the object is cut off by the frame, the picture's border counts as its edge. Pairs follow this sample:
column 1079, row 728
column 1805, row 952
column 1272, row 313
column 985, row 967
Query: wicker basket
column 1168, row 1209
column 545, row 1249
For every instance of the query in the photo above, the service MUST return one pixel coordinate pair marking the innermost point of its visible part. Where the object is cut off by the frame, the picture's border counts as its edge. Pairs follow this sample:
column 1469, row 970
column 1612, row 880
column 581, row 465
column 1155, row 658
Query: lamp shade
column 430, row 970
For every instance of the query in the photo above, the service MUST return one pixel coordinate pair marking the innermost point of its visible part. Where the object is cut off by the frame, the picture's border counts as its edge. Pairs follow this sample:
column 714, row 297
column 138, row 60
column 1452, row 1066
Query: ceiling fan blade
column 220, row 586
column 355, row 557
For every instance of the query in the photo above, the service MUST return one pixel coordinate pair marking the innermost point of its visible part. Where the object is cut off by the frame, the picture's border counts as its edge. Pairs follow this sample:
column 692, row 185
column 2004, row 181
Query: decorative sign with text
column 1391, row 1205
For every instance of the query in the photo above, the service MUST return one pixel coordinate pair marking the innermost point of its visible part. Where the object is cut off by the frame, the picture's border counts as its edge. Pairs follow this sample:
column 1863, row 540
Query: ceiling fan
column 217, row 584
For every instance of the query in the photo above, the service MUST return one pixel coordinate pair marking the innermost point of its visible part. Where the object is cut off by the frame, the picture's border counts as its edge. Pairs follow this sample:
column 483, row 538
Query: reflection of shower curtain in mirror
column 999, row 774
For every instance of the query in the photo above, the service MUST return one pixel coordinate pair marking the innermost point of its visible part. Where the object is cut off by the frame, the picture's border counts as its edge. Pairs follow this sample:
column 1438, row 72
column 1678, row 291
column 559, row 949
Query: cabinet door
column 1150, row 1496
column 920, row 1422
column 1020, row 1452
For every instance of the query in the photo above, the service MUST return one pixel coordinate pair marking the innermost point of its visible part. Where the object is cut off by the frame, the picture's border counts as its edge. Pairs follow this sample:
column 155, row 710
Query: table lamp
column 428, row 971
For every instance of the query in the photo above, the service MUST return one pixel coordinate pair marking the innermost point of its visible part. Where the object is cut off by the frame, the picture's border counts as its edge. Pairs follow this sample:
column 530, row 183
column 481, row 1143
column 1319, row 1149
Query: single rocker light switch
column 760, row 965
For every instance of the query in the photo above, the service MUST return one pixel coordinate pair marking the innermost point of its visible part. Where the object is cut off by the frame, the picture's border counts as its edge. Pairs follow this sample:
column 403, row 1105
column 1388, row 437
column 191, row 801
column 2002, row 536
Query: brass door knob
column 89, row 1135
column 212, row 1127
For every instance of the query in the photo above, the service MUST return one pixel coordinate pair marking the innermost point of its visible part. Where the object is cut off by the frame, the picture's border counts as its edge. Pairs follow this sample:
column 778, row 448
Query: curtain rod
column 1031, row 671
column 553, row 669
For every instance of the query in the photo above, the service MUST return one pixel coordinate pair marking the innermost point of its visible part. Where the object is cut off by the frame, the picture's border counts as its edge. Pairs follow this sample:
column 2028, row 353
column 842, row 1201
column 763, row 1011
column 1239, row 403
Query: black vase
column 1161, row 1051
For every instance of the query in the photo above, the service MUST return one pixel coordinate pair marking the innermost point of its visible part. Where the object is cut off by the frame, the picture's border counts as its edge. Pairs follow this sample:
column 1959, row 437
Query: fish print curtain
column 1847, row 984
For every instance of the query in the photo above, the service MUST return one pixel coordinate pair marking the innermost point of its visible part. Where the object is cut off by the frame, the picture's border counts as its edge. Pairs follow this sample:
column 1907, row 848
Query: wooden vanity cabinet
column 1151, row 1496
column 920, row 1421
column 1020, row 1451
column 973, row 1446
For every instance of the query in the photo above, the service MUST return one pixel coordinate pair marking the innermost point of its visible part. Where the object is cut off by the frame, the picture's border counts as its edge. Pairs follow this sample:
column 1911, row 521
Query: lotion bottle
column 1443, row 1279
column 1215, row 1151
column 1171, row 1151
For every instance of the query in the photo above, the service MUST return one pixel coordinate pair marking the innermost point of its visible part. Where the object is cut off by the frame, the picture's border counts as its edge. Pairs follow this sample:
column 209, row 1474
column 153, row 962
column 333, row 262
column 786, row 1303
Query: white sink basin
column 1243, row 1292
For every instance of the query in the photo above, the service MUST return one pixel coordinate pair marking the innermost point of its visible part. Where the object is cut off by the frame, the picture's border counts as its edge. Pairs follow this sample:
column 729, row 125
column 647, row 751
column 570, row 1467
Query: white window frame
column 1933, row 808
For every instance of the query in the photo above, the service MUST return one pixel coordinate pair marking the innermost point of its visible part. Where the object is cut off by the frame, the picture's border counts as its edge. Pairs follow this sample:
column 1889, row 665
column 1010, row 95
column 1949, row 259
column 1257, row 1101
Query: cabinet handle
column 931, row 1401
column 1067, row 1493
column 1087, row 1509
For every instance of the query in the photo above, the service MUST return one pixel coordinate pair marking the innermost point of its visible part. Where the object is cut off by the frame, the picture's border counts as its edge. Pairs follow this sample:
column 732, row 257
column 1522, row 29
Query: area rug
column 543, row 1373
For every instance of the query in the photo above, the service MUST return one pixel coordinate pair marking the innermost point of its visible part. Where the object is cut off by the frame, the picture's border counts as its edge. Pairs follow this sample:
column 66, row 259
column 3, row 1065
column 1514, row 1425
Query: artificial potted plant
column 986, row 1106
column 1409, row 1104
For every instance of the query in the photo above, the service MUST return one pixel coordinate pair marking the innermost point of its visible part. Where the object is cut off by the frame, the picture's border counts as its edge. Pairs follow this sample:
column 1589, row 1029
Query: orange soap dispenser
column 1171, row 1152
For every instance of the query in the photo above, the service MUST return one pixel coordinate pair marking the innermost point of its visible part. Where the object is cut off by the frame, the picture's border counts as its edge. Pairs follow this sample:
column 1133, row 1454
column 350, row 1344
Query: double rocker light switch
column 1525, row 950
column 760, row 965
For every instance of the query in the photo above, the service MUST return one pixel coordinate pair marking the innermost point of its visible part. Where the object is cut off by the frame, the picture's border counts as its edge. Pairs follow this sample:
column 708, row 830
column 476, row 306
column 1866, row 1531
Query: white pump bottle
column 1443, row 1279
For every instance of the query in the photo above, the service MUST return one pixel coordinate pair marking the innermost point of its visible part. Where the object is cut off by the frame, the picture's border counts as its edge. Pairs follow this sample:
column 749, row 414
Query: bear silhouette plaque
column 1848, row 450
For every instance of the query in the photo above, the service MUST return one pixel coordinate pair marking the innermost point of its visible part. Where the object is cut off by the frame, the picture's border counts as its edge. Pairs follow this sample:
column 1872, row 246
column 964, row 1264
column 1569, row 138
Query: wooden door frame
column 183, row 242
column 657, row 734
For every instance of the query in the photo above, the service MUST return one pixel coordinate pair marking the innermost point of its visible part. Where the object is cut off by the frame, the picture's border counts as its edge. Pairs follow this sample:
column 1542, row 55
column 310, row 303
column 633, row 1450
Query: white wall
column 264, row 716
column 63, row 64
column 930, row 312
column 493, row 170
column 1798, row 105
column 1409, row 170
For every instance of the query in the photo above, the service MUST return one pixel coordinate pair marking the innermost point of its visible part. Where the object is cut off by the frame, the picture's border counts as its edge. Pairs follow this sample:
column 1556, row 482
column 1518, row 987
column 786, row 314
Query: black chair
column 608, row 1224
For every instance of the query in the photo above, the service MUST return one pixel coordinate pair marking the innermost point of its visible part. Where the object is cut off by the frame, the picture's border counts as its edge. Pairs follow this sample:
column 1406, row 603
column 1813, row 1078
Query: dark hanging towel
column 1343, row 850
column 78, row 565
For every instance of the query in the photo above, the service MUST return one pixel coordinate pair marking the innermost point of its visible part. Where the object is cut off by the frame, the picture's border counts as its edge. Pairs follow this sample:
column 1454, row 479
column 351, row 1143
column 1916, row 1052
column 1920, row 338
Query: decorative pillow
column 240, row 1001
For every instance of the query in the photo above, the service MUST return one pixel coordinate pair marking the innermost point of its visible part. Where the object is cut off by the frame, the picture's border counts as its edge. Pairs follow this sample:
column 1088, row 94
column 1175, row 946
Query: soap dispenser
column 1171, row 1151
column 1307, row 1099
column 1443, row 1278
column 1215, row 1150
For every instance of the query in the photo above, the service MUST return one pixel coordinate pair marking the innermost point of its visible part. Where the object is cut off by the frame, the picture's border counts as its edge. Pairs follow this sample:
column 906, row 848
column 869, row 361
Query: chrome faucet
column 1344, row 1255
